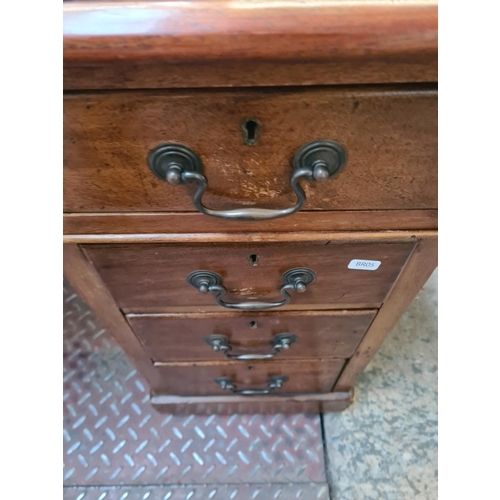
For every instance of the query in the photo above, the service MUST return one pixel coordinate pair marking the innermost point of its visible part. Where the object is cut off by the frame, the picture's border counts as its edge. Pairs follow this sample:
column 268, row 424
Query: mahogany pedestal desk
column 250, row 190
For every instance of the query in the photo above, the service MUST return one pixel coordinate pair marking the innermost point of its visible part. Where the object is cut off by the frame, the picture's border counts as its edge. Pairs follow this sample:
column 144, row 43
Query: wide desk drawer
column 246, row 141
column 155, row 278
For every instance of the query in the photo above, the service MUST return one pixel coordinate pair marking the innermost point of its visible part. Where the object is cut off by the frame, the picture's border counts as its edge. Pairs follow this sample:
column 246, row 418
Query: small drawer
column 146, row 278
column 246, row 141
column 231, row 377
column 247, row 336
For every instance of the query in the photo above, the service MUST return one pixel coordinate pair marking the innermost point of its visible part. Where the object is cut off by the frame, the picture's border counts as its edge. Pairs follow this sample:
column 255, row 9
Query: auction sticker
column 364, row 265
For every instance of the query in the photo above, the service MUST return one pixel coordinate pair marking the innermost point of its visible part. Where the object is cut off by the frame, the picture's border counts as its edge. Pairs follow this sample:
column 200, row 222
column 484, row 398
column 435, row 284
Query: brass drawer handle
column 316, row 161
column 221, row 343
column 274, row 382
column 294, row 279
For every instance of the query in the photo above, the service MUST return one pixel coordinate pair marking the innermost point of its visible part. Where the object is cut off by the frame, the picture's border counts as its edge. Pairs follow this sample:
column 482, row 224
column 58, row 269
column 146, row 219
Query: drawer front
column 390, row 138
column 212, row 336
column 200, row 379
column 151, row 277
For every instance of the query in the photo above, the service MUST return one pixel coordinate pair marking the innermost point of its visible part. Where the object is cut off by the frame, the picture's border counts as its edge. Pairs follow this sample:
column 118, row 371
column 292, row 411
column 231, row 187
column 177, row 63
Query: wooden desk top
column 146, row 44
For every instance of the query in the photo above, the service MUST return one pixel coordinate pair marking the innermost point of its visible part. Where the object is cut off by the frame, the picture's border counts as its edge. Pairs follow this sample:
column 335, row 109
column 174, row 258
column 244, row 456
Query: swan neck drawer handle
column 221, row 343
column 295, row 279
column 316, row 161
column 274, row 382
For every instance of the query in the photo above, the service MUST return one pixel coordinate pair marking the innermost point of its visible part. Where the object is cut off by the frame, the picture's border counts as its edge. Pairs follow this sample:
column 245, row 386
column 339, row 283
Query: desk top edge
column 202, row 31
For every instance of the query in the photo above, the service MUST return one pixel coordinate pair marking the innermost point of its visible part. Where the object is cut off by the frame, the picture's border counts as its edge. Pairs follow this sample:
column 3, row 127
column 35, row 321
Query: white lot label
column 364, row 265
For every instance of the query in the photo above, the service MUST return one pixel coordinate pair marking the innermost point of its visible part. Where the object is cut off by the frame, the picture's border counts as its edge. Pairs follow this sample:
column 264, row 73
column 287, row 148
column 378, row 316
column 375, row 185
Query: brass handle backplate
column 279, row 342
column 316, row 161
column 295, row 279
column 274, row 382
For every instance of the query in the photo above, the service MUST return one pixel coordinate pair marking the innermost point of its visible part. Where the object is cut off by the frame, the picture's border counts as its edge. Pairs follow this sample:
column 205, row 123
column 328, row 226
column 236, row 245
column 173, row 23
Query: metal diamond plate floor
column 311, row 491
column 117, row 447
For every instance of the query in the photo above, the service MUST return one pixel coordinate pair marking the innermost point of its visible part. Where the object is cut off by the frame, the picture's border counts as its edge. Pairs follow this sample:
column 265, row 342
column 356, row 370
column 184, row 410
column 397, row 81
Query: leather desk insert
column 151, row 278
column 250, row 219
column 251, row 336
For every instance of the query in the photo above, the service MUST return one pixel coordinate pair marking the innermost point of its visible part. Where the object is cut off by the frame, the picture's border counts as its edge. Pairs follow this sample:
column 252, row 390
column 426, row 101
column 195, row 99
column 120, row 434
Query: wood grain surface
column 390, row 137
column 243, row 43
column 139, row 223
column 251, row 236
column 198, row 379
column 180, row 337
column 154, row 275
column 228, row 405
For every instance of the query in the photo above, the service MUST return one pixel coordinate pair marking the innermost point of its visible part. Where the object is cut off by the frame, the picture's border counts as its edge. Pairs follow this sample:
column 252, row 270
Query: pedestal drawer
column 147, row 278
column 232, row 377
column 244, row 336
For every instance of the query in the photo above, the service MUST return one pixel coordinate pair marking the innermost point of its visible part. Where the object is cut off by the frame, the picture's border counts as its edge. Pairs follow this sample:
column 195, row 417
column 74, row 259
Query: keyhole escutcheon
column 250, row 128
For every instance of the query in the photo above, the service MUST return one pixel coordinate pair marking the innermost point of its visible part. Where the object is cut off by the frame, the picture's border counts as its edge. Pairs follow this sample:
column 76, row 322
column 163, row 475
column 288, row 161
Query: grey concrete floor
column 385, row 445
